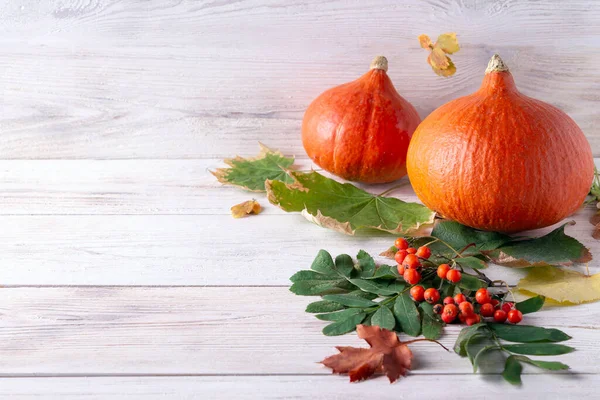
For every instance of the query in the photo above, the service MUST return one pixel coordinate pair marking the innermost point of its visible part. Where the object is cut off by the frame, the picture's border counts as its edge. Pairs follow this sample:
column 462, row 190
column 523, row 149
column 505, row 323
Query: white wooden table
column 124, row 275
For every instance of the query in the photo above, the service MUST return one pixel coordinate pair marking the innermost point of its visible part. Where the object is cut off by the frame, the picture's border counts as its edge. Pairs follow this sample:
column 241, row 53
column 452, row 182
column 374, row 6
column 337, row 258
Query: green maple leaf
column 344, row 207
column 251, row 173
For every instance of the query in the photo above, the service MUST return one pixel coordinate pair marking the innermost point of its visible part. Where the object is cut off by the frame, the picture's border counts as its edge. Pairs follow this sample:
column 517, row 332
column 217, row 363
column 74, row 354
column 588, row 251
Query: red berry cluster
column 458, row 307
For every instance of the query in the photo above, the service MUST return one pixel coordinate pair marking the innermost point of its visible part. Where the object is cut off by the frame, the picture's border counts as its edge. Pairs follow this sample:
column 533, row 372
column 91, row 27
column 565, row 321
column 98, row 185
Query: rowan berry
column 438, row 308
column 411, row 250
column 454, row 276
column 459, row 298
column 473, row 320
column 495, row 303
column 400, row 269
column 447, row 318
column 443, row 270
column 486, row 310
column 417, row 293
column 507, row 306
column 462, row 318
column 483, row 296
column 424, row 252
column 411, row 261
column 500, row 316
column 401, row 244
column 412, row 276
column 432, row 295
column 400, row 256
column 466, row 308
column 451, row 309
column 515, row 316
column 448, row 300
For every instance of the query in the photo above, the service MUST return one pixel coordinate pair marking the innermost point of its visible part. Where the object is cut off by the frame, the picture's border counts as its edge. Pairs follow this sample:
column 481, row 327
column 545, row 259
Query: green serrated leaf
column 366, row 264
column 472, row 262
column 251, row 173
column 372, row 286
column 321, row 287
column 548, row 365
column 344, row 326
column 474, row 344
column 383, row 318
column 385, row 272
column 512, row 371
column 539, row 349
column 340, row 315
column 344, row 207
column 396, row 287
column 527, row 333
column 465, row 334
column 306, row 275
column 344, row 265
column 323, row 263
column 407, row 315
column 470, row 282
column 350, row 300
column 460, row 236
column 431, row 326
column 555, row 248
column 364, row 295
column 323, row 306
column 531, row 305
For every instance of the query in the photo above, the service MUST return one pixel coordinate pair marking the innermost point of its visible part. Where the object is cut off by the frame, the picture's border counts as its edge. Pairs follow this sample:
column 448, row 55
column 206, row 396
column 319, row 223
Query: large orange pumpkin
column 499, row 160
column 360, row 130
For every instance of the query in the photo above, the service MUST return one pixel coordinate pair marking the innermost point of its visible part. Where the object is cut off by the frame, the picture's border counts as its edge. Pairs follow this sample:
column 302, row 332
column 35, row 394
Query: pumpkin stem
column 380, row 62
column 496, row 65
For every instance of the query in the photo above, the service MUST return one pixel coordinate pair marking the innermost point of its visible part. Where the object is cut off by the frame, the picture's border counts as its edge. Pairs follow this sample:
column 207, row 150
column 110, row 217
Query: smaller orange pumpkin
column 361, row 130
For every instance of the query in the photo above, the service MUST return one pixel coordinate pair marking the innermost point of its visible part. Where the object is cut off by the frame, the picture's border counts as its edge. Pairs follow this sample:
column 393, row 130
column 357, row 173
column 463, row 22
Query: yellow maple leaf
column 438, row 59
column 448, row 43
column 246, row 208
column 566, row 287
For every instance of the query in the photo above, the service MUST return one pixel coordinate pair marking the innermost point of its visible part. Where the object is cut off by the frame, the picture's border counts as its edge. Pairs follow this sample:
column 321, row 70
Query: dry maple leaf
column 595, row 220
column 246, row 208
column 439, row 61
column 387, row 354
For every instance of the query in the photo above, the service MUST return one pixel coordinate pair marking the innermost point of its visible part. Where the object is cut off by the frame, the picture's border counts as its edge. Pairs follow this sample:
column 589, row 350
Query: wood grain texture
column 210, row 331
column 187, row 250
column 182, row 79
column 489, row 387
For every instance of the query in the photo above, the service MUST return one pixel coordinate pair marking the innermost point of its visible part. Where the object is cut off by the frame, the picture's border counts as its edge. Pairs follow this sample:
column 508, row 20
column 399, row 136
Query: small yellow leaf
column 425, row 41
column 449, row 71
column 438, row 59
column 564, row 286
column 246, row 208
column 448, row 43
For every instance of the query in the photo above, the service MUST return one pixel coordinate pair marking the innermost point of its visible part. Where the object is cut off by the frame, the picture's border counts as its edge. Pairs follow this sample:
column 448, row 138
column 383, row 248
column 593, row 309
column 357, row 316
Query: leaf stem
column 426, row 340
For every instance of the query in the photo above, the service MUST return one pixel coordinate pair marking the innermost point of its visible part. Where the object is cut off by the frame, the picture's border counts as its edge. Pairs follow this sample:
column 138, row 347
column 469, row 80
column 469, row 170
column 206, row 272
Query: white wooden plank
column 546, row 387
column 186, row 250
column 214, row 331
column 158, row 79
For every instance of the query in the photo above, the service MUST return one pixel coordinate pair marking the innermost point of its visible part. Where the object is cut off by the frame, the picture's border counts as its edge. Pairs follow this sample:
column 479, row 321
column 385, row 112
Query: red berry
column 473, row 320
column 401, row 269
column 411, row 261
column 448, row 300
column 483, row 296
column 412, row 276
column 401, row 244
column 438, row 308
column 515, row 316
column 411, row 250
column 462, row 318
column 507, row 307
column 443, row 270
column 451, row 309
column 417, row 293
column 432, row 296
column 447, row 318
column 495, row 303
column 424, row 252
column 454, row 276
column 400, row 256
column 459, row 298
column 466, row 308
column 500, row 316
column 486, row 310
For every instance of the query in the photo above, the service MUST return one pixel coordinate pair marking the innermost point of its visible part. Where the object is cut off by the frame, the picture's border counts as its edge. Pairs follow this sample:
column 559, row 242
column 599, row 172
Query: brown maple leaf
column 387, row 354
column 595, row 220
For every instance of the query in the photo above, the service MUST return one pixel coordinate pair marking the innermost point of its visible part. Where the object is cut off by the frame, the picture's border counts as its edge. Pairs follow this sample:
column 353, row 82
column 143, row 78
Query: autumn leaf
column 251, row 173
column 438, row 59
column 344, row 207
column 246, row 208
column 386, row 354
column 566, row 287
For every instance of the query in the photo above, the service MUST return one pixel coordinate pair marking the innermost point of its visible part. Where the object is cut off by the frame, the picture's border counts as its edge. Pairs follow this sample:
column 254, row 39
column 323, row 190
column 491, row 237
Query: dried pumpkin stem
column 380, row 62
column 496, row 65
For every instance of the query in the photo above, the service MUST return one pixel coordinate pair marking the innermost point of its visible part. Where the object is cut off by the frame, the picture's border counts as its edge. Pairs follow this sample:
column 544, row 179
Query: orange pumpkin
column 360, row 130
column 499, row 160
